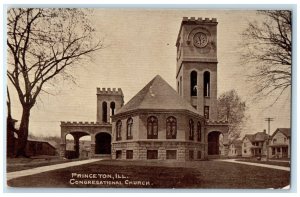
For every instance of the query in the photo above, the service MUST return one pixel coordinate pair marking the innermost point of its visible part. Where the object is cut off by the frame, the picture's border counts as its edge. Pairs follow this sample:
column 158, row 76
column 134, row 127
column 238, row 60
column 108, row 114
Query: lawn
column 16, row 164
column 200, row 174
column 276, row 163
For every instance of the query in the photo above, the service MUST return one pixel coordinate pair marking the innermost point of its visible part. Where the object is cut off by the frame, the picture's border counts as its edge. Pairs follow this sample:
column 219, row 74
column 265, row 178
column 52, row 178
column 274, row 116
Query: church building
column 160, row 122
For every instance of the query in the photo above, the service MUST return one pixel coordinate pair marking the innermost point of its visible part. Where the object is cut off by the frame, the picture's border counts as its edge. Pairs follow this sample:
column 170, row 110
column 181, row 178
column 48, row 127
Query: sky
column 139, row 44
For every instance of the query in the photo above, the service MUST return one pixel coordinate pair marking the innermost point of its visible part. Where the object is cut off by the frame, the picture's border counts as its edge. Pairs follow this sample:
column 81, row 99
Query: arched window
column 152, row 127
column 206, row 84
column 191, row 124
column 119, row 130
column 104, row 112
column 180, row 90
column 193, row 79
column 171, row 127
column 112, row 108
column 199, row 131
column 206, row 112
column 129, row 128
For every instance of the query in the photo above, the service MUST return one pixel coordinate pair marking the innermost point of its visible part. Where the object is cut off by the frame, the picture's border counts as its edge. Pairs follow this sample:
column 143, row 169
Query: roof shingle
column 157, row 94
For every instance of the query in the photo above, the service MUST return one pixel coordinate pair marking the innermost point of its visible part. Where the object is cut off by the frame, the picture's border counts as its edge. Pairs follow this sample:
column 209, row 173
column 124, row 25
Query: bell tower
column 196, row 73
column 108, row 102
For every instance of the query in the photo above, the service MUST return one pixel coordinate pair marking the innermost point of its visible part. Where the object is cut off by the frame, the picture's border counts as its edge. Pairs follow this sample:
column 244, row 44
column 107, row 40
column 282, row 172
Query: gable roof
column 257, row 137
column 159, row 95
column 284, row 131
column 237, row 143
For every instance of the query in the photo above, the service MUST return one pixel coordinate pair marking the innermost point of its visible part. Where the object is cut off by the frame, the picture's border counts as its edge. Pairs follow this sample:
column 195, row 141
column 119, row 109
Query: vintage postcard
column 149, row 98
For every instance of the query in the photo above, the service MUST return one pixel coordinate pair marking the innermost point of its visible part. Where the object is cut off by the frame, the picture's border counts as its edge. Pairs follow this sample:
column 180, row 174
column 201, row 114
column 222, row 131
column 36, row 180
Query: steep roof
column 237, row 143
column 159, row 95
column 285, row 131
column 257, row 137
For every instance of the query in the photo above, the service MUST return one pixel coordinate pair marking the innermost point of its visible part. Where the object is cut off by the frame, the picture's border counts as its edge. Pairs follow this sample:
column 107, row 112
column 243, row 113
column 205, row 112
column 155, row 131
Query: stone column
column 62, row 150
column 76, row 146
column 92, row 149
column 108, row 112
column 200, row 98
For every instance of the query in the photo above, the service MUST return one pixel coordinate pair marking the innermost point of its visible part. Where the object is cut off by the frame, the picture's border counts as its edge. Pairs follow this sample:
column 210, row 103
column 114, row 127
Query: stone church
column 160, row 122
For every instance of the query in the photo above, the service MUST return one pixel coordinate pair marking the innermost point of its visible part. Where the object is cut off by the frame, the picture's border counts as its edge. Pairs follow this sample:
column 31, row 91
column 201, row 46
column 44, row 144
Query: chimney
column 265, row 132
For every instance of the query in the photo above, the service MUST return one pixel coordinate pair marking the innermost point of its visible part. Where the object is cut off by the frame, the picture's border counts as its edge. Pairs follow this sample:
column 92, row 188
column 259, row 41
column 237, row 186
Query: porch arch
column 103, row 143
column 213, row 143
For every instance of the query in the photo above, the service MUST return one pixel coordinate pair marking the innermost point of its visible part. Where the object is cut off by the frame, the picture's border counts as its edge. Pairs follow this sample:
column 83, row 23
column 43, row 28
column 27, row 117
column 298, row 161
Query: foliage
column 267, row 47
column 232, row 108
column 43, row 44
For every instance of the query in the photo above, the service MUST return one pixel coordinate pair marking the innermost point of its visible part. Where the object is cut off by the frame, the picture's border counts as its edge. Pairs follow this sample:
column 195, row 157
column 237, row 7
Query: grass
column 276, row 163
column 17, row 164
column 200, row 174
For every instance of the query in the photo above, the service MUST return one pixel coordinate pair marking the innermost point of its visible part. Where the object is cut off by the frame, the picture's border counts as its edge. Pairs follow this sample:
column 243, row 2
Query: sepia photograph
column 149, row 98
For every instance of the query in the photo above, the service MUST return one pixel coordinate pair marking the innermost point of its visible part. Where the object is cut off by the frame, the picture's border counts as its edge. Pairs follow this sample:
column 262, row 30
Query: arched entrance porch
column 72, row 146
column 103, row 143
column 213, row 140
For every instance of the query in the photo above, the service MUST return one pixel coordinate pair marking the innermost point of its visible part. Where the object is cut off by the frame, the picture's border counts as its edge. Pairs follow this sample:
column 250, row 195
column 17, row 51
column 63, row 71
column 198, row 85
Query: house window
column 152, row 127
column 191, row 124
column 234, row 151
column 129, row 128
column 245, row 145
column 278, row 150
column 206, row 112
column 129, row 154
column 273, row 151
column 193, row 83
column 171, row 127
column 118, row 154
column 171, row 154
column 274, row 141
column 284, row 139
column 199, row 131
column 245, row 151
column 118, row 130
column 199, row 155
column 152, row 154
column 206, row 84
column 191, row 155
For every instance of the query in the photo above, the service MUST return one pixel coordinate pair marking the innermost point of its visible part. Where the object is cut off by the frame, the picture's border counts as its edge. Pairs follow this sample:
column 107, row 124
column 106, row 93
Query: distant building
column 10, row 138
column 255, row 145
column 280, row 143
column 235, row 148
column 36, row 147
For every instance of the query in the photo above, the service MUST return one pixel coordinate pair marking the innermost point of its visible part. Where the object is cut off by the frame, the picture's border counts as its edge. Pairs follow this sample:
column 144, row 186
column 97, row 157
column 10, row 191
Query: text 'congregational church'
column 159, row 122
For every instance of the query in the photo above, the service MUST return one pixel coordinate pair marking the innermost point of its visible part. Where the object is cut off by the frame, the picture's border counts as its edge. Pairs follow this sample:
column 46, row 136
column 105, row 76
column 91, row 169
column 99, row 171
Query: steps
column 213, row 156
column 102, row 156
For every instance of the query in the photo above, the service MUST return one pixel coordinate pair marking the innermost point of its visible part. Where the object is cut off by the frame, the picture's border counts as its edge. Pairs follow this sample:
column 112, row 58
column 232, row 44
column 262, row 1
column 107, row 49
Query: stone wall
column 140, row 149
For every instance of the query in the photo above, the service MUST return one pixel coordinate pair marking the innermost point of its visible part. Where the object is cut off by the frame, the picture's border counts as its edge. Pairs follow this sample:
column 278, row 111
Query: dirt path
column 17, row 174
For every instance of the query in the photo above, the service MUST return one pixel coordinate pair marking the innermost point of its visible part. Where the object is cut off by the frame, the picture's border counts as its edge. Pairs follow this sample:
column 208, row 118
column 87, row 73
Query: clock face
column 200, row 39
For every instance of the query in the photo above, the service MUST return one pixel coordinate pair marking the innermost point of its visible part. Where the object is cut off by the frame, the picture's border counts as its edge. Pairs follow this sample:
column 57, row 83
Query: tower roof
column 158, row 95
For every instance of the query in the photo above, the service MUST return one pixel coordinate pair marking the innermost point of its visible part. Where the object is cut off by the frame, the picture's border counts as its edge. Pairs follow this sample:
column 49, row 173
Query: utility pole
column 269, row 122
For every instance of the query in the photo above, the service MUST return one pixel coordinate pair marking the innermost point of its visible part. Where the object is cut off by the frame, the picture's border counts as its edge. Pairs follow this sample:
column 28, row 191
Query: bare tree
column 268, row 47
column 43, row 44
column 232, row 108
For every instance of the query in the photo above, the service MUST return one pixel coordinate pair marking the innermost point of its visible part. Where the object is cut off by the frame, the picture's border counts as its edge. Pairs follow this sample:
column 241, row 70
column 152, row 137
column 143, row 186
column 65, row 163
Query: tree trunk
column 23, row 132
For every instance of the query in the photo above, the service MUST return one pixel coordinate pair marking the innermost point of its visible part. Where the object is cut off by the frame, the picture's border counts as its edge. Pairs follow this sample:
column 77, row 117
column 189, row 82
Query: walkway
column 256, row 164
column 21, row 173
